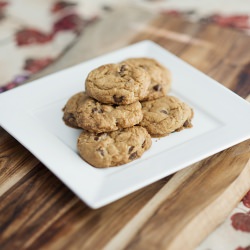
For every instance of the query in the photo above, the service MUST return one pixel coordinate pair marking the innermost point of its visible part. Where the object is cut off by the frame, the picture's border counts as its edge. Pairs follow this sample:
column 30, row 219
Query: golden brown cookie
column 91, row 115
column 117, row 84
column 160, row 76
column 113, row 148
column 69, row 111
column 165, row 115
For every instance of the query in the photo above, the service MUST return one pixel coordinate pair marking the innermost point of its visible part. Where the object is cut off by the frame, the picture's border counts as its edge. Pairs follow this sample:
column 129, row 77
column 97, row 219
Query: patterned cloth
column 234, row 232
column 33, row 34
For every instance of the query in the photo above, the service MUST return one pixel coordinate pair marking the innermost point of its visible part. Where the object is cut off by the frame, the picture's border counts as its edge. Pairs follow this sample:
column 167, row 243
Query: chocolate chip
column 164, row 111
column 96, row 110
column 143, row 144
column 157, row 87
column 69, row 116
column 133, row 156
column 143, row 66
column 118, row 99
column 186, row 124
column 96, row 138
column 131, row 149
column 101, row 151
column 123, row 68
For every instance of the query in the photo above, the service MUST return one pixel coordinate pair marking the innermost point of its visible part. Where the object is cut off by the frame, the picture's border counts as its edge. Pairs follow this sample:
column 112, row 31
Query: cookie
column 69, row 111
column 96, row 117
column 160, row 76
column 113, row 148
column 117, row 84
column 165, row 115
column 87, row 113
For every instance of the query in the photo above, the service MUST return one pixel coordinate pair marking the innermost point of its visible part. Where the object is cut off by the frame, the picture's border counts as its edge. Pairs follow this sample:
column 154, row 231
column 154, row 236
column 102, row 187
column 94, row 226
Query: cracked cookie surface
column 117, row 83
column 94, row 116
column 160, row 76
column 113, row 148
column 165, row 115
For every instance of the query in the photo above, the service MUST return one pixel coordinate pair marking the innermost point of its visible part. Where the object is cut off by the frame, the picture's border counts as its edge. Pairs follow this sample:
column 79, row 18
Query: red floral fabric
column 65, row 19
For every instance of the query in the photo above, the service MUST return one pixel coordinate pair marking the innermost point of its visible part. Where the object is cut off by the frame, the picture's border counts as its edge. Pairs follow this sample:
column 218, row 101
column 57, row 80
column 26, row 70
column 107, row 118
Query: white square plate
column 33, row 115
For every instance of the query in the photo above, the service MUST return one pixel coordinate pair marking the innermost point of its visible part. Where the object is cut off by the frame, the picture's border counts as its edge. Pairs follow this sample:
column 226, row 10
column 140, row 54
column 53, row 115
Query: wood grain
column 170, row 228
column 132, row 228
column 37, row 211
column 40, row 211
column 15, row 161
column 202, row 222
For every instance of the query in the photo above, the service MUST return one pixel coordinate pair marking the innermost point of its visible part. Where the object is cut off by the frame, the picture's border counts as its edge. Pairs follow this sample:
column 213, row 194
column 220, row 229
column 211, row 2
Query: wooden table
column 37, row 211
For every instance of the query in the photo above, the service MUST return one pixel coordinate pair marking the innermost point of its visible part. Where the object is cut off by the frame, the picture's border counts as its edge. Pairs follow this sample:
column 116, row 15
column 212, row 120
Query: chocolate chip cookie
column 69, row 111
column 160, row 76
column 118, row 84
column 91, row 115
column 113, row 148
column 165, row 115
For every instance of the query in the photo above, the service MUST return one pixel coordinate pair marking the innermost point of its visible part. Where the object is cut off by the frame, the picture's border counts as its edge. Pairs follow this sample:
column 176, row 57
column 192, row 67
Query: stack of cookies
column 123, row 106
